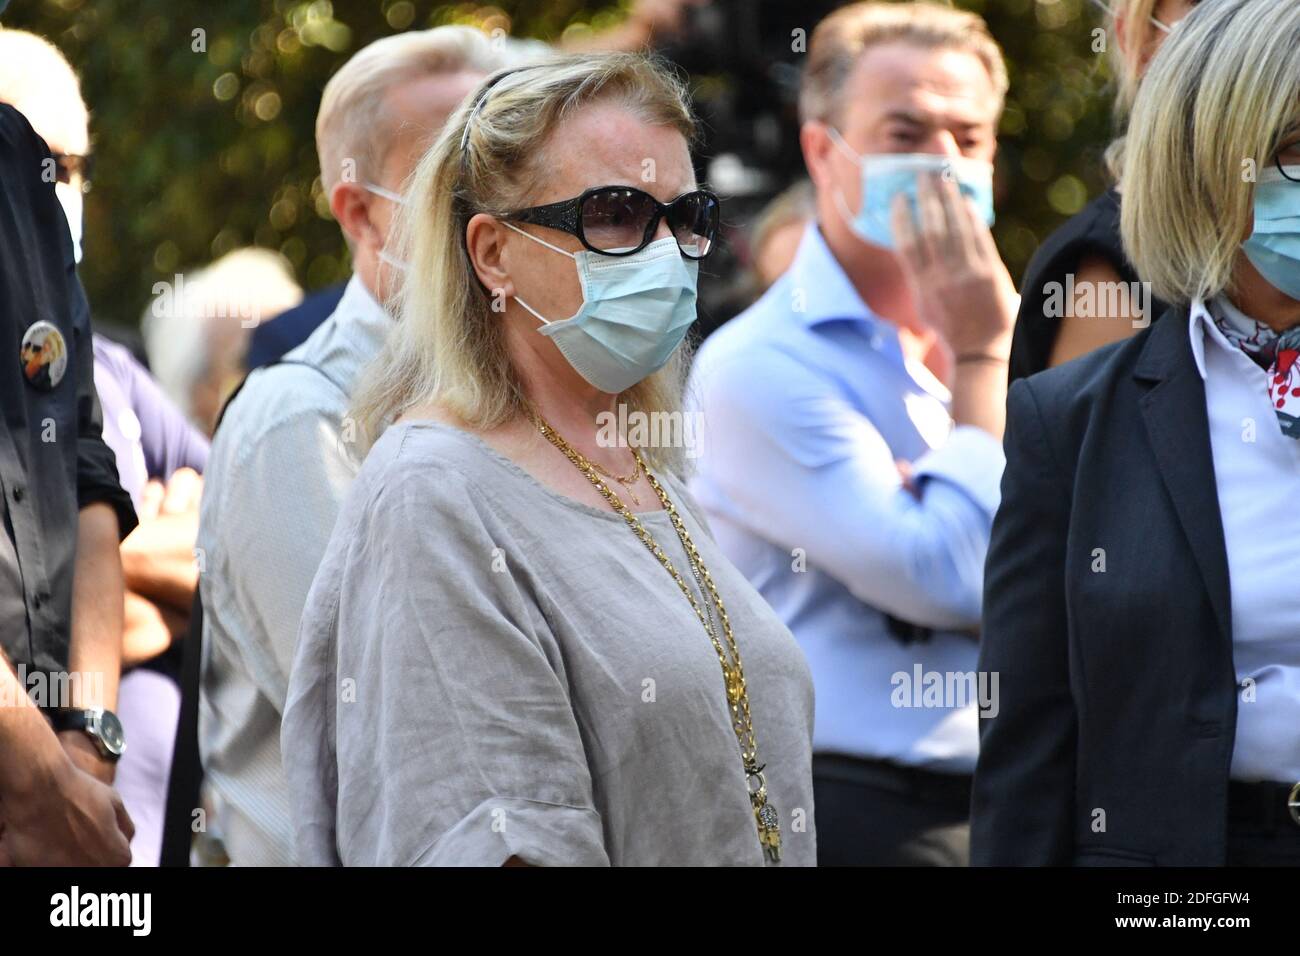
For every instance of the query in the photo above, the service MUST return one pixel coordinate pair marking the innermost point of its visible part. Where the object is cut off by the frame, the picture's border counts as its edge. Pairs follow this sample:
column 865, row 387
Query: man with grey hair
column 284, row 454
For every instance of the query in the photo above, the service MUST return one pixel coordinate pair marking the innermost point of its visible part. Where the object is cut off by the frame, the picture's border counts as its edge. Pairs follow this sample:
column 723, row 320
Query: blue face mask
column 1274, row 247
column 635, row 312
column 886, row 175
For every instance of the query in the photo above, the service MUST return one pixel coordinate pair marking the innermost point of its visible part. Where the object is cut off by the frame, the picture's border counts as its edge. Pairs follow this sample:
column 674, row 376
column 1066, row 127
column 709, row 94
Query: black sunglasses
column 621, row 220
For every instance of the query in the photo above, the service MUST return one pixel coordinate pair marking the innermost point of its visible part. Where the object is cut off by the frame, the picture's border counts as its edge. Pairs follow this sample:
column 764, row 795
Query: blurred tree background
column 203, row 115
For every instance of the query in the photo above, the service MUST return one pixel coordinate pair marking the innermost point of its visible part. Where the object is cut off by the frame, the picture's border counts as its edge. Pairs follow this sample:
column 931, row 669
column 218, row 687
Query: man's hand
column 158, row 556
column 962, row 289
column 960, row 285
column 70, row 819
column 149, row 629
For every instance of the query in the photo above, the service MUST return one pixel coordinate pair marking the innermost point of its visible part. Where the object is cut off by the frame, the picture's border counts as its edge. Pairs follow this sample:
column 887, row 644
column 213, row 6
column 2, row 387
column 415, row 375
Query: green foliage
column 203, row 116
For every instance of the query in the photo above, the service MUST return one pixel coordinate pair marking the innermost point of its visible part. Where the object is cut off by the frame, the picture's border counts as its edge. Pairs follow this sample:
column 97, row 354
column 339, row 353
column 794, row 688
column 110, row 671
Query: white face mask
column 397, row 199
column 70, row 199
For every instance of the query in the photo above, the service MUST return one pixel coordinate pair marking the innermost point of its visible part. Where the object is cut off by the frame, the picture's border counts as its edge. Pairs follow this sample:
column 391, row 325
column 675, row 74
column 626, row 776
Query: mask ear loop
column 844, row 147
column 1103, row 5
column 841, row 204
column 384, row 193
column 528, row 308
column 522, row 232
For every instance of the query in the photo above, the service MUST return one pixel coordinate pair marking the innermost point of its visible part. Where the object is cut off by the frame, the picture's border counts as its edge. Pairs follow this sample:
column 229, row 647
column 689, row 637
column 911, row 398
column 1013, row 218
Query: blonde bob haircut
column 1215, row 105
column 448, row 345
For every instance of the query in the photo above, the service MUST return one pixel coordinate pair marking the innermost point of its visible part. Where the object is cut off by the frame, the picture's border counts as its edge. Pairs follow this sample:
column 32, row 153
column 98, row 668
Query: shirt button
column 18, row 493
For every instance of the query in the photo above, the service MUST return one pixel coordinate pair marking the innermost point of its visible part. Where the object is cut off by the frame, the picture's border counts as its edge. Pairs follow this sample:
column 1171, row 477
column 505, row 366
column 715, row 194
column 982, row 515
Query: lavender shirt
column 148, row 434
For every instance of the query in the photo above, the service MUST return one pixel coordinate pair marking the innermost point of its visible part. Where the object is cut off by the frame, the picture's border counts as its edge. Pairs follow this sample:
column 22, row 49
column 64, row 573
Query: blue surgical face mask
column 1274, row 247
column 635, row 312
column 887, row 175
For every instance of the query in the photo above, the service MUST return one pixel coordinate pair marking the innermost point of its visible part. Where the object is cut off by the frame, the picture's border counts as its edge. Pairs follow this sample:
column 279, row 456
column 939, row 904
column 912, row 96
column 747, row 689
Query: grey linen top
column 488, row 668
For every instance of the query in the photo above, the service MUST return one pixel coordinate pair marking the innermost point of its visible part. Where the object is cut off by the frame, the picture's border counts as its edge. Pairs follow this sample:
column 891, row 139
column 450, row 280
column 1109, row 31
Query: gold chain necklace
column 733, row 673
column 627, row 482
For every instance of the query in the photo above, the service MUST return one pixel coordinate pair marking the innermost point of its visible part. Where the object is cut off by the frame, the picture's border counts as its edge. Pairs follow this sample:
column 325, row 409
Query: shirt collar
column 1201, row 326
column 827, row 292
column 1198, row 327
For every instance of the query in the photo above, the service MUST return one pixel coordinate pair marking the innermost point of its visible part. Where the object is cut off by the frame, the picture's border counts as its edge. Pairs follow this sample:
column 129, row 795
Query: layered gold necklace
column 733, row 673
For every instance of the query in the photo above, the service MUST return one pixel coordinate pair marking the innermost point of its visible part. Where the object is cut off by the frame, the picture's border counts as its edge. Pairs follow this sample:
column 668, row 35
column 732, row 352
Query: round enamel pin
column 44, row 355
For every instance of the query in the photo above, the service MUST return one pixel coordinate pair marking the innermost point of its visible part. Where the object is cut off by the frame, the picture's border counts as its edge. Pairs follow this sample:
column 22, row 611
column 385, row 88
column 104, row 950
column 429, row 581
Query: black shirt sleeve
column 97, row 477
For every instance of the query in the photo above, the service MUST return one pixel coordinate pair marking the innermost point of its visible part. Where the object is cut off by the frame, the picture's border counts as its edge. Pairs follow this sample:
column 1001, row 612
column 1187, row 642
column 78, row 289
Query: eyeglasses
column 621, row 220
column 1277, row 161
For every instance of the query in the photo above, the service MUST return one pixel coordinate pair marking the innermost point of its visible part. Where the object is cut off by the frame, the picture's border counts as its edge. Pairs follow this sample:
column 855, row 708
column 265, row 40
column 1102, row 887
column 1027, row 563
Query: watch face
column 110, row 732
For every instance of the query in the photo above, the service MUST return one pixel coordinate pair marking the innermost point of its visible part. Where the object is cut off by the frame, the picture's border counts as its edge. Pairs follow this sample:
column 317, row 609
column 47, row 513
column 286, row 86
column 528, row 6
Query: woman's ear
column 484, row 239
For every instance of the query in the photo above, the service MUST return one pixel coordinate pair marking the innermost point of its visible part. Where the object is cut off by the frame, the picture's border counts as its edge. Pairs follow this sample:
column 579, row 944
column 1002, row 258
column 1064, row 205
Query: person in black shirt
column 64, row 516
column 1079, row 291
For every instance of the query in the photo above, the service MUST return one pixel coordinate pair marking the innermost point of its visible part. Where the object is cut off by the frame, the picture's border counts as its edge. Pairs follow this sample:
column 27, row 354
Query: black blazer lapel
column 1173, row 409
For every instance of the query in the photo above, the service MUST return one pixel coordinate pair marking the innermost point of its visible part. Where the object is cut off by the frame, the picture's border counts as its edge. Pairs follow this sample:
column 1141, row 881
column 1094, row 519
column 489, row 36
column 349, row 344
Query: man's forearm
column 160, row 570
column 98, row 593
column 28, row 748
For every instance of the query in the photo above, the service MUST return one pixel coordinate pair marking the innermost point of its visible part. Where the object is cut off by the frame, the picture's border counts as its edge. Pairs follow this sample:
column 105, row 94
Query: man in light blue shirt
column 850, row 484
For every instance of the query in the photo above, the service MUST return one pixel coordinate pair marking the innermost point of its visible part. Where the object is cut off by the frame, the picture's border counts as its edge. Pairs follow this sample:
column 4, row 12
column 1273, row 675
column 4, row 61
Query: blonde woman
column 522, row 646
column 1080, row 292
column 1141, row 607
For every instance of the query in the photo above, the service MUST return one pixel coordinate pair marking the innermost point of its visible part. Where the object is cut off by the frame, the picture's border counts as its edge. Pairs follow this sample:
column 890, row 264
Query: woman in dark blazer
column 1142, row 596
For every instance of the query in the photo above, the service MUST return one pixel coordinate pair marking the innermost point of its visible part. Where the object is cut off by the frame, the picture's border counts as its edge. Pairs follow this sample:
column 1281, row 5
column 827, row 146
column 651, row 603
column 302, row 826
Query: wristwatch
column 102, row 726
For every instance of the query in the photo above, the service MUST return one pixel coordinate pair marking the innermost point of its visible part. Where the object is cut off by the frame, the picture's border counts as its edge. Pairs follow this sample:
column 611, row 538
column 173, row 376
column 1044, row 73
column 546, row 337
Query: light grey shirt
column 280, row 465
column 487, row 668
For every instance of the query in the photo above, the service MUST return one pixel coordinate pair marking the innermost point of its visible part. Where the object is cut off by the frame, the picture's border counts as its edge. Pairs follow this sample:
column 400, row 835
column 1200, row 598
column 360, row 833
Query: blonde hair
column 37, row 80
column 448, row 346
column 1211, row 113
column 841, row 38
column 353, row 122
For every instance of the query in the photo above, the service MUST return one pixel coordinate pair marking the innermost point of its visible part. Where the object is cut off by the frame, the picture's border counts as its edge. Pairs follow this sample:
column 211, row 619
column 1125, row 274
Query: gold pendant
column 627, row 489
column 769, row 831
